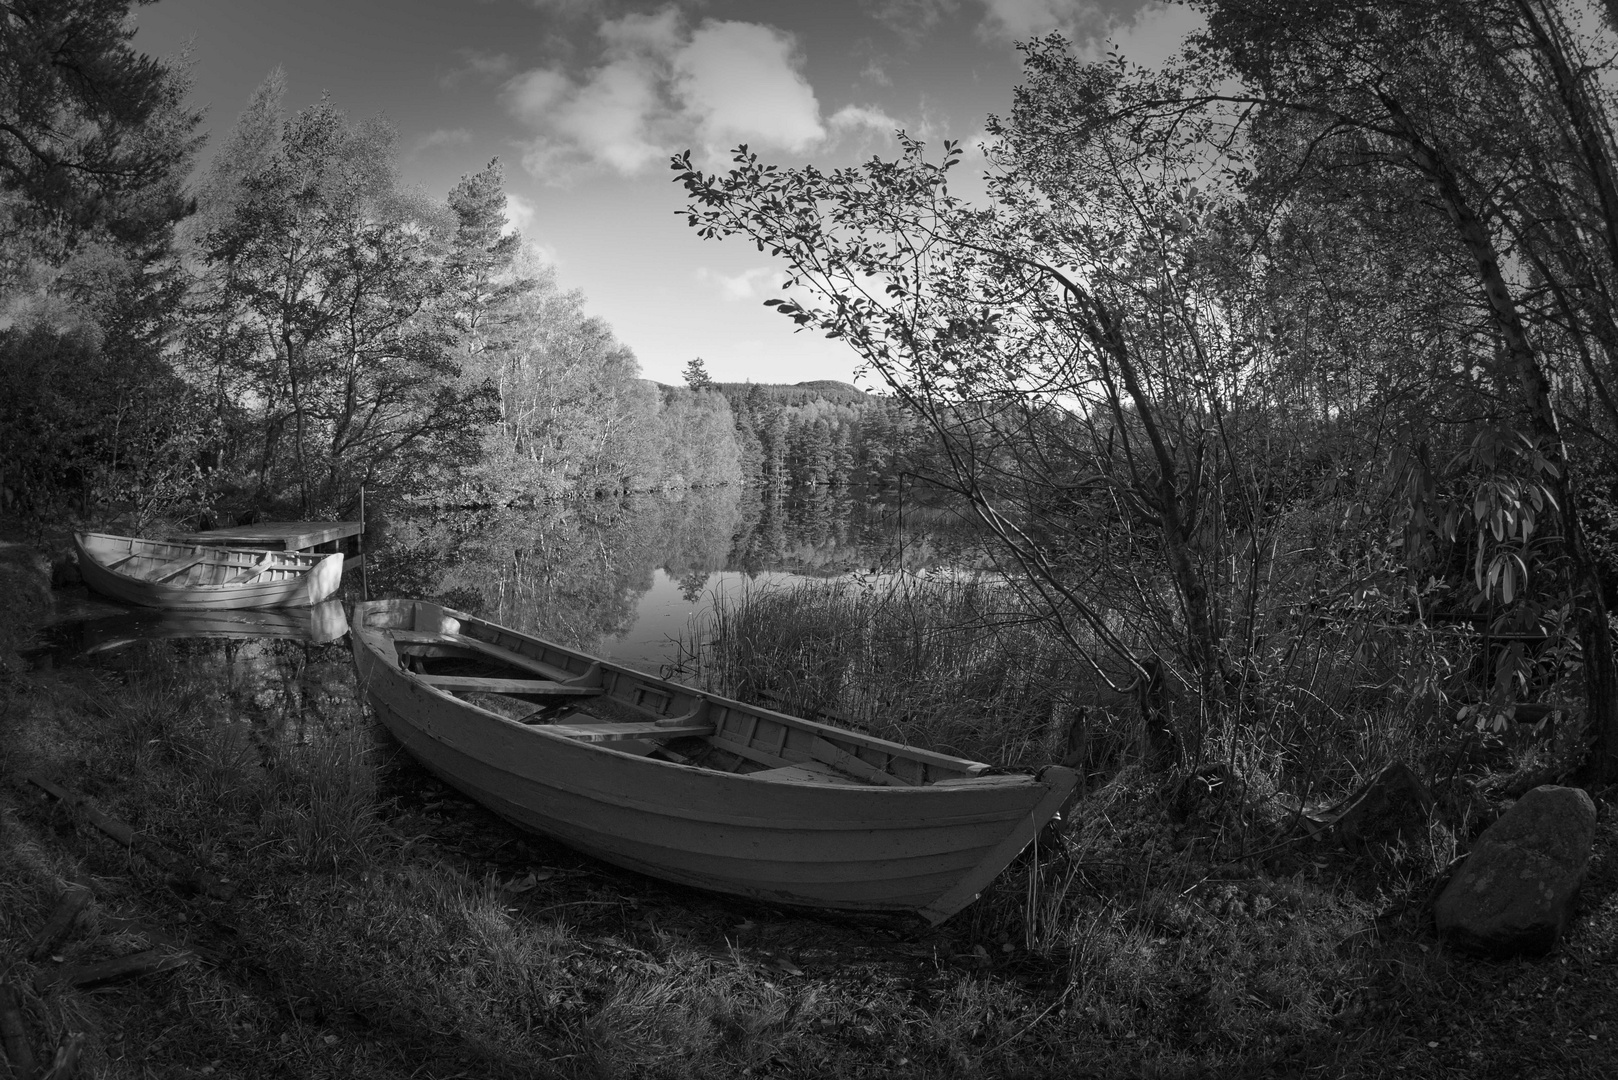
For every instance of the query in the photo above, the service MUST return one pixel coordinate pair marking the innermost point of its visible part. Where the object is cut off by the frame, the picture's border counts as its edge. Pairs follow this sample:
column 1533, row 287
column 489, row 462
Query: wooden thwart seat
column 461, row 641
column 177, row 567
column 509, row 687
column 254, row 570
column 608, row 731
column 806, row 771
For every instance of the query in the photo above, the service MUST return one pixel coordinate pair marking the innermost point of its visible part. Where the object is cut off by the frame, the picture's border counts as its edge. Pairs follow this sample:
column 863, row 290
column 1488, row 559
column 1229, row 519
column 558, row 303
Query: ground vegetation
column 306, row 902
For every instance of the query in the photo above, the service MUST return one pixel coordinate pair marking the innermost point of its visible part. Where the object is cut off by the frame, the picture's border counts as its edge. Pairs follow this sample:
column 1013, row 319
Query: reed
column 943, row 664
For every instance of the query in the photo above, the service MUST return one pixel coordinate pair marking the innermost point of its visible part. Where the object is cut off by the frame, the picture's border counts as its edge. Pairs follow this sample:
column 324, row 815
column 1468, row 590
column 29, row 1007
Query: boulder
column 1516, row 890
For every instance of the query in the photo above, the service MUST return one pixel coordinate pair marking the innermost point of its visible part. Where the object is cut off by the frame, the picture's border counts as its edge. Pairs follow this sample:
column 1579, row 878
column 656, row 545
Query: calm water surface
column 628, row 580
column 632, row 580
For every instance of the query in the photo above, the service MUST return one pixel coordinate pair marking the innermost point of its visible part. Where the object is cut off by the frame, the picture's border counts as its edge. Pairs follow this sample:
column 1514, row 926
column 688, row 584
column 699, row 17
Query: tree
column 1059, row 396
column 1492, row 112
column 480, row 287
column 696, row 375
column 699, row 441
column 576, row 416
column 94, row 137
column 1086, row 348
column 749, row 451
column 95, row 143
column 318, row 310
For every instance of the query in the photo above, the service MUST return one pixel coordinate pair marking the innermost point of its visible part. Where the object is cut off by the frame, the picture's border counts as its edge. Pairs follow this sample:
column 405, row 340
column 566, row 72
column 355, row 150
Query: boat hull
column 114, row 566
column 927, row 848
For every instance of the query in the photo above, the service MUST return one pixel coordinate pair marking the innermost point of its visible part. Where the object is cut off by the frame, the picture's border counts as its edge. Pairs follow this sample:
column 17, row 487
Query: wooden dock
column 275, row 535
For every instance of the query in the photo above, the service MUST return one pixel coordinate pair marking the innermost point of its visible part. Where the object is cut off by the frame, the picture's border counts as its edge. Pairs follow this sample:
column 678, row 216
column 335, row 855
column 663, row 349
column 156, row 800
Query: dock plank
column 278, row 535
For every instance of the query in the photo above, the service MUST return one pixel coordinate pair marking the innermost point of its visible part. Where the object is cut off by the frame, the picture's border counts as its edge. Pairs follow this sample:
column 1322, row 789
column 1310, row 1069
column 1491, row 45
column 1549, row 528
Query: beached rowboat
column 687, row 786
column 157, row 573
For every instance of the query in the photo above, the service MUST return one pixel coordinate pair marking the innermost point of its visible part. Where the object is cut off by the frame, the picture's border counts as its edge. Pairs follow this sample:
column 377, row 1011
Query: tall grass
column 947, row 665
column 962, row 666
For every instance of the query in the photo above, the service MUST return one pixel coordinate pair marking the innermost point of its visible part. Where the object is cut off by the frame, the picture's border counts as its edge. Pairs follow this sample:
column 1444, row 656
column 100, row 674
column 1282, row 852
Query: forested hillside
column 817, row 434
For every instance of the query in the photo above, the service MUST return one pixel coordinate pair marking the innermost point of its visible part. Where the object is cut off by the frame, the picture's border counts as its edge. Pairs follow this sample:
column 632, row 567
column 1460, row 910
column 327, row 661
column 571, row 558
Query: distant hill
column 838, row 393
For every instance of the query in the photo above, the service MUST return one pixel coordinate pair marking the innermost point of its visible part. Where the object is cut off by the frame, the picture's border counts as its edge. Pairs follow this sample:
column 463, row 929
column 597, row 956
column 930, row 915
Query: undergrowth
column 382, row 926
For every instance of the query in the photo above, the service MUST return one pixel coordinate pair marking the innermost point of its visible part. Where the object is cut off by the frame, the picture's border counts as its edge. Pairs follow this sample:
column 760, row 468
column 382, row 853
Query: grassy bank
column 371, row 923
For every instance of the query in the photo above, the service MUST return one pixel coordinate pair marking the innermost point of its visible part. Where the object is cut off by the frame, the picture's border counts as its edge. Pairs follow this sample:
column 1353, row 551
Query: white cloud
column 752, row 284
column 519, row 214
column 1018, row 20
column 979, row 143
column 855, row 117
column 535, row 94
column 1148, row 35
column 612, row 118
column 741, row 82
column 659, row 86
column 1157, row 32
column 542, row 253
column 657, row 33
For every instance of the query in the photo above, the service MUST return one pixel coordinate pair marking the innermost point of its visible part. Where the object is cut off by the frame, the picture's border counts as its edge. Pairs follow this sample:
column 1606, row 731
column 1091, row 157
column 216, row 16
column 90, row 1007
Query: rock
column 1516, row 890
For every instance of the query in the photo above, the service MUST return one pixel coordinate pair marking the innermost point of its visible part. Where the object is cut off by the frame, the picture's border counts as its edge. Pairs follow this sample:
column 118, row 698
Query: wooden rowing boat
column 157, row 573
column 687, row 786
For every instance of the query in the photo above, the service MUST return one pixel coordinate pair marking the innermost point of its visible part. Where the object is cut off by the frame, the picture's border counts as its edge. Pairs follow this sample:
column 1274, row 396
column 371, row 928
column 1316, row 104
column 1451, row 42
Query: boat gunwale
column 832, row 795
column 970, row 768
column 302, row 561
column 300, row 568
column 952, row 788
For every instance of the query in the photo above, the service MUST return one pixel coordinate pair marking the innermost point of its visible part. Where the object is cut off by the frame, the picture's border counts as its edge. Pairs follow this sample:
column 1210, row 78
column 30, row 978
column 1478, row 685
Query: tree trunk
column 1595, row 638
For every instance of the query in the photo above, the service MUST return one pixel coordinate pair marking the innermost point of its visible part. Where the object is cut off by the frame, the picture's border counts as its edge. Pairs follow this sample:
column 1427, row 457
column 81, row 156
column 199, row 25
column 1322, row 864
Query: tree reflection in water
column 576, row 572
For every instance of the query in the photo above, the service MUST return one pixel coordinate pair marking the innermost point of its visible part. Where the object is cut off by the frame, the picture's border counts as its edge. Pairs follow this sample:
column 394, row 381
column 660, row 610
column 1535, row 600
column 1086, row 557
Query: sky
column 585, row 101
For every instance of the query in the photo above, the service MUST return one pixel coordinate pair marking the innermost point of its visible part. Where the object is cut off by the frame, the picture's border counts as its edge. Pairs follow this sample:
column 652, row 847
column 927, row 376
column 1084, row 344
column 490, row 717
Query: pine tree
column 696, row 375
column 479, row 288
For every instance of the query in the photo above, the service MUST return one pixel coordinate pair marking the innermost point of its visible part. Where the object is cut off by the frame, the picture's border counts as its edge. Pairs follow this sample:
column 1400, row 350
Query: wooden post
column 365, row 581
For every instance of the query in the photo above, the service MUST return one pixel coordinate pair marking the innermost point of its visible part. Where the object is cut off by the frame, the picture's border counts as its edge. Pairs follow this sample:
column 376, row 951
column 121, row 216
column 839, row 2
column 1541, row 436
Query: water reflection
column 316, row 625
column 621, row 578
column 285, row 692
column 100, row 629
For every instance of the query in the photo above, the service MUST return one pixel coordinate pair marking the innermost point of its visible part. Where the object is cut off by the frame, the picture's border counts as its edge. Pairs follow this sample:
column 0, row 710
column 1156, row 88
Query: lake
column 626, row 578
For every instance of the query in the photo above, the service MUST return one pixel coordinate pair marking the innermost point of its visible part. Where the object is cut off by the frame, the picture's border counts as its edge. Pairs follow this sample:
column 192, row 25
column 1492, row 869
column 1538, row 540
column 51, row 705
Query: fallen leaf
column 528, row 881
column 782, row 964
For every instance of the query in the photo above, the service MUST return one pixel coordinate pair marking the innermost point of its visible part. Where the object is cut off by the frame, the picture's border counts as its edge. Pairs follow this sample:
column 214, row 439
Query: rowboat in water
column 162, row 574
column 688, row 786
